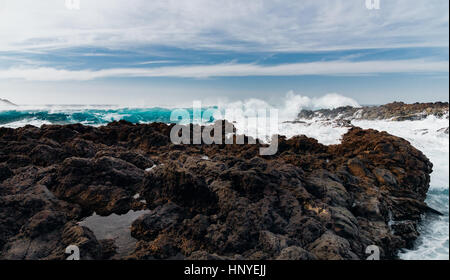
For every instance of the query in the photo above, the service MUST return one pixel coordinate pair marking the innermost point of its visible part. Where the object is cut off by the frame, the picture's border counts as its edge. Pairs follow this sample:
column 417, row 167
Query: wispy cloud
column 199, row 39
column 232, row 70
column 156, row 62
column 259, row 25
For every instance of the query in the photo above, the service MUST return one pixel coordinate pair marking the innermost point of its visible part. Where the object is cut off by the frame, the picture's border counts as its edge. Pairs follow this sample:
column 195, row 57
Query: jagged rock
column 84, row 239
column 109, row 248
column 205, row 256
column 162, row 247
column 408, row 229
column 295, row 253
column 332, row 247
column 309, row 201
column 397, row 111
column 45, row 155
column 323, row 184
column 162, row 219
column 103, row 185
column 344, row 223
column 385, row 177
column 180, row 186
column 5, row 172
column 271, row 242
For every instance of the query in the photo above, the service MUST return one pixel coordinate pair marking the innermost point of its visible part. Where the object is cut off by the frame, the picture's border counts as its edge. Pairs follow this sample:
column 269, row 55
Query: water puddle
column 117, row 227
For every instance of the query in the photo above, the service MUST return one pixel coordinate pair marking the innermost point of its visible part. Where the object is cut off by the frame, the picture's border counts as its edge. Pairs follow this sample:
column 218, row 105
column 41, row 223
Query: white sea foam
column 324, row 132
column 6, row 107
column 426, row 135
column 433, row 243
column 288, row 109
column 22, row 123
column 289, row 106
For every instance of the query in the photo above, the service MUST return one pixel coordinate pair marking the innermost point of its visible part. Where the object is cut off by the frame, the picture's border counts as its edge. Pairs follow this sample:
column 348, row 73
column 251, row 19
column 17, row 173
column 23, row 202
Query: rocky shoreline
column 396, row 111
column 307, row 202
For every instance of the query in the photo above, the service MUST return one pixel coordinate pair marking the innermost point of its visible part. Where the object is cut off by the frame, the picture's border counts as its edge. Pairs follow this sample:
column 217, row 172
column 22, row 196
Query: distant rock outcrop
column 397, row 111
column 6, row 102
column 307, row 202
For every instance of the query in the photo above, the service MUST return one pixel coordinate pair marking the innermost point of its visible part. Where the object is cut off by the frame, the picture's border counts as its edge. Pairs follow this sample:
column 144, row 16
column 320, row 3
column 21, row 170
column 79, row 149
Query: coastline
column 324, row 194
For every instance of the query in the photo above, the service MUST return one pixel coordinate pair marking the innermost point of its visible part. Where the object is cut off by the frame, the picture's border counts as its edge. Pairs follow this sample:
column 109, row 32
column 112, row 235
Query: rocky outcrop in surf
column 6, row 102
column 307, row 202
column 397, row 111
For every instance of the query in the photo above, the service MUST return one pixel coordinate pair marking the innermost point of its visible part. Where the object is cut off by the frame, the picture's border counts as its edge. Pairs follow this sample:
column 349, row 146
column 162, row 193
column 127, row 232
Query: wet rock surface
column 307, row 202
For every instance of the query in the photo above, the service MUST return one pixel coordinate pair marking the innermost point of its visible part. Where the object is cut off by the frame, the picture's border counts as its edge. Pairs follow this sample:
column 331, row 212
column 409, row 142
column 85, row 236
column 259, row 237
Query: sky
column 139, row 52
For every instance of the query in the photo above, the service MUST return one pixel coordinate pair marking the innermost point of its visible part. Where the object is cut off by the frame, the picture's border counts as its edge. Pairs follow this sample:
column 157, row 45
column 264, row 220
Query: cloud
column 258, row 25
column 232, row 70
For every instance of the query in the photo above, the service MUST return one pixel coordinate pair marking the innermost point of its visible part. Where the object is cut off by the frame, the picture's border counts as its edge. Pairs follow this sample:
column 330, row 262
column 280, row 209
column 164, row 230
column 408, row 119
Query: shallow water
column 117, row 227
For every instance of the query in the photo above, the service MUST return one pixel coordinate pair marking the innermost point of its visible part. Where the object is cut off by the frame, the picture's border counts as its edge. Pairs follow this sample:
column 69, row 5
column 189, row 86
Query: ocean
column 426, row 135
column 88, row 115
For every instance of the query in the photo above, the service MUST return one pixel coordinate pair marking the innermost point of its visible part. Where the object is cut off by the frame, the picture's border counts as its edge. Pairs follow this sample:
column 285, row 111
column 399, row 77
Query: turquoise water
column 87, row 116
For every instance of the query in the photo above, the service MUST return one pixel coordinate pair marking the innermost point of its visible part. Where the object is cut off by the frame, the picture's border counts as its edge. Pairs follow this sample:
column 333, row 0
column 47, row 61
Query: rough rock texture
column 307, row 202
column 397, row 111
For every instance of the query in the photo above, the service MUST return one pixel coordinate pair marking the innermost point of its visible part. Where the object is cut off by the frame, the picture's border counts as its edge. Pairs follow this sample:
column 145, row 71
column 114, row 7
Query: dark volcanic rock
column 309, row 201
column 171, row 183
column 5, row 172
column 397, row 111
